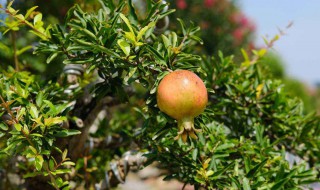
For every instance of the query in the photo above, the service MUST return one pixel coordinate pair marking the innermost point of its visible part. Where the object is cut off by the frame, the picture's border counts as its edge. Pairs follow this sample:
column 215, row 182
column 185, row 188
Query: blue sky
column 300, row 47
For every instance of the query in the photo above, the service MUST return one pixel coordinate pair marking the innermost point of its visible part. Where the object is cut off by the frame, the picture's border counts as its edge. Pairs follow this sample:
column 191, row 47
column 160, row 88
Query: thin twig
column 184, row 186
column 5, row 105
column 28, row 24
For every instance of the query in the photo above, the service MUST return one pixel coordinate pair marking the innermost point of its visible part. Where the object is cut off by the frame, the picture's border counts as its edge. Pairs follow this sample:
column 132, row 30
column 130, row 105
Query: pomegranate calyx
column 186, row 128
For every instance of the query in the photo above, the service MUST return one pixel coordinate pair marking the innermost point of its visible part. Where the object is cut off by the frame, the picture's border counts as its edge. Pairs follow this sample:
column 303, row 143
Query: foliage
column 30, row 125
column 17, row 46
column 49, row 133
column 273, row 66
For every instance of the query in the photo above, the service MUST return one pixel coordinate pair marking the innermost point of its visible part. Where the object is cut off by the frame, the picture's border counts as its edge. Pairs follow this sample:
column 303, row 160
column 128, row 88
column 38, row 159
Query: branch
column 120, row 168
column 15, row 55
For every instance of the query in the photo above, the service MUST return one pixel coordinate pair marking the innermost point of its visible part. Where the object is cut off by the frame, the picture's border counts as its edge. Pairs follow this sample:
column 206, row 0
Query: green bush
column 274, row 68
column 50, row 134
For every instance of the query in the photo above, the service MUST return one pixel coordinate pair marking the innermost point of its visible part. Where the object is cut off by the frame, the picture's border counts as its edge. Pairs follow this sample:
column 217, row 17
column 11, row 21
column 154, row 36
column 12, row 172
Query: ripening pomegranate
column 182, row 95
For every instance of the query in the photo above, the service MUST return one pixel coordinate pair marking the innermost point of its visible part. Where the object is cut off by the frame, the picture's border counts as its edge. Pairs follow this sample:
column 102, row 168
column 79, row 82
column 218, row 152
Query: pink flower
column 244, row 21
column 181, row 4
column 239, row 18
column 209, row 3
column 238, row 34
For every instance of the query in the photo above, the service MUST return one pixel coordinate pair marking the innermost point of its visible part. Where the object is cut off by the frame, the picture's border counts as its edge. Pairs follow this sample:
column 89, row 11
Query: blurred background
column 299, row 46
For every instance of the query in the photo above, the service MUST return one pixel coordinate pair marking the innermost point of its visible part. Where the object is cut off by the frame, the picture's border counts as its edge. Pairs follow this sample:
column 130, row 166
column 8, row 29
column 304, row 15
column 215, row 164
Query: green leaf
column 236, row 182
column 24, row 93
column 66, row 133
column 18, row 126
column 131, row 37
column 36, row 135
column 59, row 181
column 144, row 30
column 159, row 78
column 280, row 184
column 78, row 60
column 34, row 111
column 40, row 35
column 64, row 154
column 225, row 146
column 39, row 99
column 107, row 51
column 53, row 121
column 53, row 110
column 52, row 57
column 132, row 11
column 124, row 46
column 37, row 19
column 197, row 39
column 83, row 42
column 174, row 39
column 132, row 71
column 32, row 174
column 21, row 51
column 62, row 171
column 257, row 168
column 51, row 165
column 183, row 27
column 33, row 150
column 223, row 170
column 246, row 184
column 12, row 10
column 39, row 162
column 30, row 11
column 205, row 165
column 91, row 35
column 66, row 188
column 166, row 41
column 3, row 127
column 108, row 43
column 68, row 163
column 209, row 173
column 69, row 14
column 124, row 18
column 154, row 52
column 195, row 154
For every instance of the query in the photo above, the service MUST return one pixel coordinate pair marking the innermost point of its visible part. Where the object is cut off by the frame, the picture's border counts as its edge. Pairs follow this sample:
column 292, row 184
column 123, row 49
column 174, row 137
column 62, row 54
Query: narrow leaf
column 254, row 170
column 124, row 18
column 52, row 57
column 144, row 30
column 21, row 51
column 246, row 184
column 125, row 47
column 30, row 11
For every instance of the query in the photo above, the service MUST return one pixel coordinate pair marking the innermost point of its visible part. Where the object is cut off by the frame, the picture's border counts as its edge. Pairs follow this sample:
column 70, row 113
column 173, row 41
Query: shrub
column 68, row 131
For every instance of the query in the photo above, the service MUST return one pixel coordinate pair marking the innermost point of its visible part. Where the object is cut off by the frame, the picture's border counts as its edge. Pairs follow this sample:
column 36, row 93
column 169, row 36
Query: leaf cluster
column 248, row 128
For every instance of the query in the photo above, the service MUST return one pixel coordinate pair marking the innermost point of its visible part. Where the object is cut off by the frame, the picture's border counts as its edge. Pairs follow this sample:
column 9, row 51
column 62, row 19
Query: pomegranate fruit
column 182, row 95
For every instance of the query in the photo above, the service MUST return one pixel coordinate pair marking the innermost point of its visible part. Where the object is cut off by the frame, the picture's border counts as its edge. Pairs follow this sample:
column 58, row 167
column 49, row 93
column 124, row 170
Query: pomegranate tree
column 182, row 95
